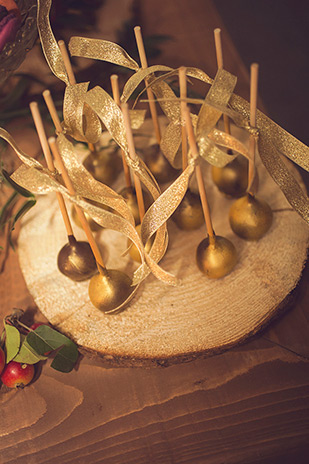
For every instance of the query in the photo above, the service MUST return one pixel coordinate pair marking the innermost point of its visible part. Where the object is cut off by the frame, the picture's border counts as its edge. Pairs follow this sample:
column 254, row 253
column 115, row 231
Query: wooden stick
column 116, row 97
column 254, row 71
column 49, row 161
column 150, row 95
column 67, row 62
column 52, row 110
column 79, row 211
column 253, row 92
column 183, row 106
column 133, row 155
column 219, row 55
column 199, row 177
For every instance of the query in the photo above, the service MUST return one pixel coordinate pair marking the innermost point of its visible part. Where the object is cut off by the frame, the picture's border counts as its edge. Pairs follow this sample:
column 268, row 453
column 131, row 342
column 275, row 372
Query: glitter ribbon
column 34, row 177
column 273, row 141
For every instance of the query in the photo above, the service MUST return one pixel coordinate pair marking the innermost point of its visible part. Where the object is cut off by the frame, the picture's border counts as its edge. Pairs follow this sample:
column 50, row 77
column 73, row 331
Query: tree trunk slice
column 163, row 325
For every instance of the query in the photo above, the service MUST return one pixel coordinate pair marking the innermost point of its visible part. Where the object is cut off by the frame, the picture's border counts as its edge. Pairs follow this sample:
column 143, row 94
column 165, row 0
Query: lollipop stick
column 133, row 156
column 253, row 104
column 116, row 96
column 150, row 96
column 183, row 105
column 52, row 110
column 70, row 73
column 80, row 212
column 49, row 161
column 67, row 62
column 219, row 55
column 199, row 177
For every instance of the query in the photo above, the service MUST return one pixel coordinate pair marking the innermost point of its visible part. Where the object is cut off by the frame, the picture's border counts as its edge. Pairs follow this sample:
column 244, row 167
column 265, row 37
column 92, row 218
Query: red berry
column 17, row 374
column 35, row 325
column 2, row 360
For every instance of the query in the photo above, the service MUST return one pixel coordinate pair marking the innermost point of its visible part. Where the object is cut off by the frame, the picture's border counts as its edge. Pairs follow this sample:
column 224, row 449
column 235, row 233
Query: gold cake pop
column 137, row 183
column 104, row 165
column 76, row 260
column 129, row 194
column 250, row 217
column 94, row 226
column 189, row 214
column 158, row 165
column 154, row 159
column 217, row 257
column 109, row 289
column 134, row 251
column 232, row 179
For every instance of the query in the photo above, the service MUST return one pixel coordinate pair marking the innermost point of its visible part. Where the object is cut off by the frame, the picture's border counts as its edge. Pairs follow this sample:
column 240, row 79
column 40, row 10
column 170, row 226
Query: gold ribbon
column 34, row 177
column 272, row 141
column 99, row 49
column 50, row 49
column 79, row 120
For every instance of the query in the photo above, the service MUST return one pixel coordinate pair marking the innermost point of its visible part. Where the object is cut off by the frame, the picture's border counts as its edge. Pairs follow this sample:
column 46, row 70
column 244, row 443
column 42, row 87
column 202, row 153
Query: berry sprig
column 23, row 347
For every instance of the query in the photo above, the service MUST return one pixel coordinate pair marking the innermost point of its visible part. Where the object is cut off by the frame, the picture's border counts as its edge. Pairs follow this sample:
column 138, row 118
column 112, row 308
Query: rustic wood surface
column 248, row 405
column 164, row 324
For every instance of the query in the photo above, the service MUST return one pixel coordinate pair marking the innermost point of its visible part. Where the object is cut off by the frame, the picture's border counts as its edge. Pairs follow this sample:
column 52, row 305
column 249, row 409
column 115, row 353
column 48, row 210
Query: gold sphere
column 94, row 226
column 189, row 214
column 232, row 179
column 76, row 260
column 109, row 290
column 216, row 258
column 250, row 217
column 159, row 166
column 134, row 253
column 104, row 165
column 128, row 193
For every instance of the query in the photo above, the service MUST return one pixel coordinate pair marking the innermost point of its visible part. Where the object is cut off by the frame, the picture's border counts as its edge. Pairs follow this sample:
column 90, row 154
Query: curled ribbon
column 85, row 111
column 34, row 177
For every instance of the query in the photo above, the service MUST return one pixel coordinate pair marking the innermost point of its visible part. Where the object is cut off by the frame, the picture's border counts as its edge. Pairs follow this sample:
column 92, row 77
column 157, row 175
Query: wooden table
column 247, row 405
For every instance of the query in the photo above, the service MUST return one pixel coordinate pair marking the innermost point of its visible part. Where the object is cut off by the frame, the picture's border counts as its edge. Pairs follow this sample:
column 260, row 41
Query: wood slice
column 164, row 325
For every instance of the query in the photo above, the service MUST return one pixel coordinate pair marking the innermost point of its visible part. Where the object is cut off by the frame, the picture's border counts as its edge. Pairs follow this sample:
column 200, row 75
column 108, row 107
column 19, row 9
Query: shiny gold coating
column 232, row 179
column 216, row 257
column 189, row 214
column 109, row 289
column 159, row 165
column 104, row 165
column 94, row 226
column 134, row 251
column 76, row 260
column 273, row 141
column 129, row 195
column 250, row 217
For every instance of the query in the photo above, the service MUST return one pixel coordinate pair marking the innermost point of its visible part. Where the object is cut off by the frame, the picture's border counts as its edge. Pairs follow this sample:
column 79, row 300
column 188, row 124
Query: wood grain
column 216, row 410
column 246, row 406
column 162, row 324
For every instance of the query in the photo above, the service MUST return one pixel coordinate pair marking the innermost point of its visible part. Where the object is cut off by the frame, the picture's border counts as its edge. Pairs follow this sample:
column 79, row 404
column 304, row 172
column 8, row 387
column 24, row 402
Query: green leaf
column 18, row 188
column 28, row 355
column 44, row 339
column 23, row 210
column 12, row 341
column 9, row 203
